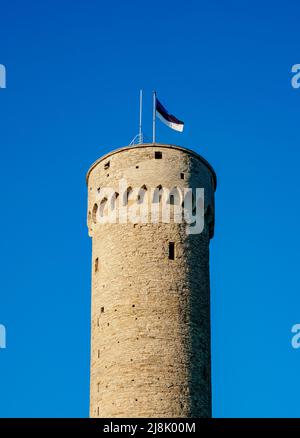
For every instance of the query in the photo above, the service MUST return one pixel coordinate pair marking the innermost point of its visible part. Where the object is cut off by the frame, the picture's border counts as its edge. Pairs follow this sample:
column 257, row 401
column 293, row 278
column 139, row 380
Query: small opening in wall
column 106, row 165
column 96, row 264
column 98, row 411
column 94, row 213
column 133, row 305
column 98, row 189
column 102, row 309
column 171, row 251
column 107, row 174
column 182, row 175
column 136, row 167
column 98, row 354
column 98, row 387
column 157, row 155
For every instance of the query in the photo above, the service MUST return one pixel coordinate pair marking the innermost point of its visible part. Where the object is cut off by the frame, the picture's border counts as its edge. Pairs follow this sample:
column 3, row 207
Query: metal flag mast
column 140, row 120
column 154, row 118
column 139, row 138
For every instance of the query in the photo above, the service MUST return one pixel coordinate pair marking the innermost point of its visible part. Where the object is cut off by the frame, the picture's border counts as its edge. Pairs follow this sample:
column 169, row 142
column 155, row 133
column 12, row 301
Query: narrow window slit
column 171, row 251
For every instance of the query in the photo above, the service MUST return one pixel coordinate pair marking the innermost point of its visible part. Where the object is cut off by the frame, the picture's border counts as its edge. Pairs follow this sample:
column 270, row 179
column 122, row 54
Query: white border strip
column 176, row 126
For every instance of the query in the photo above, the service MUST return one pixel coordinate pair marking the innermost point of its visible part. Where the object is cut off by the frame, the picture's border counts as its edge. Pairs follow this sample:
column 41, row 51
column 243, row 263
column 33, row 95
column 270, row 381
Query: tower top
column 159, row 145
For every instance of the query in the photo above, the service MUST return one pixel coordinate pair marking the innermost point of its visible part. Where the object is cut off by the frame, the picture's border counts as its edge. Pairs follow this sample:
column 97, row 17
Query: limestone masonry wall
column 150, row 339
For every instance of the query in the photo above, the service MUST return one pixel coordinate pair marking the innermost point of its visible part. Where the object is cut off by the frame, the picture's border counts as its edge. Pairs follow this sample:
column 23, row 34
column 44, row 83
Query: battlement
column 143, row 176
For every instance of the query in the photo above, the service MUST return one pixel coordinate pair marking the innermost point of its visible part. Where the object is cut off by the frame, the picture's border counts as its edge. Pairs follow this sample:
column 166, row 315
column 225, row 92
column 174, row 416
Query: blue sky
column 73, row 74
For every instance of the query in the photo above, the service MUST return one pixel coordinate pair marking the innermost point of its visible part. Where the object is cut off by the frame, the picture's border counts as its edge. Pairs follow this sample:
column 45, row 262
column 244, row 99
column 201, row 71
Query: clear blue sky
column 74, row 69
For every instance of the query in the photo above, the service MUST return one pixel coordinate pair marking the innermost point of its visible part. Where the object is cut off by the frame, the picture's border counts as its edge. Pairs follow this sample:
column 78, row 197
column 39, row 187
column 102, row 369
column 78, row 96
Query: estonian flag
column 167, row 118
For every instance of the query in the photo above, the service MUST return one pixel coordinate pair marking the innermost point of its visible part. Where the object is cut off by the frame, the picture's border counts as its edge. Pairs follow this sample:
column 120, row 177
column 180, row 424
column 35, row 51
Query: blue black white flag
column 167, row 118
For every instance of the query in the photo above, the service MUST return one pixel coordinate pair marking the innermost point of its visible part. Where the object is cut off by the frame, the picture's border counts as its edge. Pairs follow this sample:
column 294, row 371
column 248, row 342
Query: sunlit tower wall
column 150, row 312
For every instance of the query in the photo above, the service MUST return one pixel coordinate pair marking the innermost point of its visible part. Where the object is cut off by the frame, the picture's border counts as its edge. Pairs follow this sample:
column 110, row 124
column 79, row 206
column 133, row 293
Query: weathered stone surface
column 150, row 351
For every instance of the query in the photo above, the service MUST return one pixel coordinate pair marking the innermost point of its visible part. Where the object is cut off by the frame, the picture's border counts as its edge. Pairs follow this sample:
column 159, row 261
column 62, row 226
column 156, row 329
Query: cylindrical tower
column 150, row 337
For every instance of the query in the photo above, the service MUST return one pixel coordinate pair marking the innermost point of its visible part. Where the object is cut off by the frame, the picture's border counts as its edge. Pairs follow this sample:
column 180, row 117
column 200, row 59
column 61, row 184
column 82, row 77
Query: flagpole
column 140, row 120
column 154, row 118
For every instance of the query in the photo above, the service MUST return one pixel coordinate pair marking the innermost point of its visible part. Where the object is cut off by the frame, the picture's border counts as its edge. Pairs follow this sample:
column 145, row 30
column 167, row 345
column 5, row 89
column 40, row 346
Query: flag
column 167, row 118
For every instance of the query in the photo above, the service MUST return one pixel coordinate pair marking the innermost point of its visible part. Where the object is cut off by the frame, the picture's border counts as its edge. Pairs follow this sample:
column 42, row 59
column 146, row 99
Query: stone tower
column 150, row 336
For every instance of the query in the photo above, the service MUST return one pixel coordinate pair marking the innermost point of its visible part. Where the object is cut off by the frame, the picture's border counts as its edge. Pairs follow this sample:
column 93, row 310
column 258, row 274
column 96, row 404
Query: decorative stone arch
column 175, row 196
column 113, row 200
column 126, row 195
column 103, row 206
column 157, row 194
column 141, row 194
column 187, row 202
